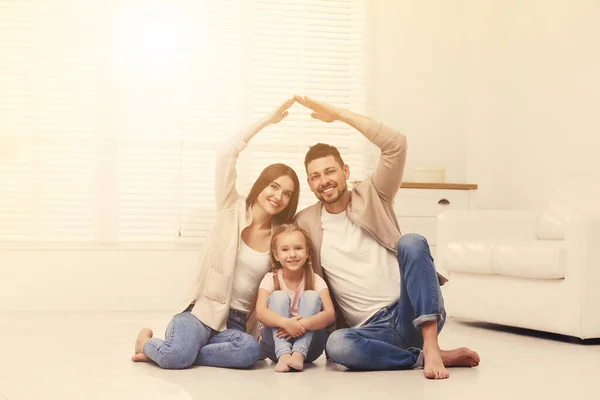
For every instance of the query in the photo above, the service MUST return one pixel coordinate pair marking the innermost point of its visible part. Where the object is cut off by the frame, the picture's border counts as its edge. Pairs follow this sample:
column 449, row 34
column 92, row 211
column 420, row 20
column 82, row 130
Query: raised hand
column 280, row 112
column 322, row 111
column 273, row 117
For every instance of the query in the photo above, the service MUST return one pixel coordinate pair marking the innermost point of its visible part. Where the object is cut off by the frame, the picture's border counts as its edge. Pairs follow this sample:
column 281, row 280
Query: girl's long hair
column 268, row 175
column 309, row 275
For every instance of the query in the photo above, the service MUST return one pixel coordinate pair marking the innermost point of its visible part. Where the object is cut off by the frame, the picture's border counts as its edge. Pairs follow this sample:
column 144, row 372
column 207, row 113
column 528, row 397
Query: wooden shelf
column 449, row 186
column 427, row 185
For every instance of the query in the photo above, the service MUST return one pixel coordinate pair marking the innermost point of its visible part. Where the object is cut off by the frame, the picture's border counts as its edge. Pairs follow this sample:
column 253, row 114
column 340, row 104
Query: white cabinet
column 417, row 206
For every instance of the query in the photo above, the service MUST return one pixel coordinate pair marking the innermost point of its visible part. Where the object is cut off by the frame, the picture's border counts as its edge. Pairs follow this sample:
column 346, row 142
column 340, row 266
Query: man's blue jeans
column 189, row 342
column 311, row 344
column 391, row 339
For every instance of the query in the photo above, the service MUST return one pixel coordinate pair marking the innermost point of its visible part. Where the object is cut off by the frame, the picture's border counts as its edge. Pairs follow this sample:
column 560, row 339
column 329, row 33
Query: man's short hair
column 321, row 150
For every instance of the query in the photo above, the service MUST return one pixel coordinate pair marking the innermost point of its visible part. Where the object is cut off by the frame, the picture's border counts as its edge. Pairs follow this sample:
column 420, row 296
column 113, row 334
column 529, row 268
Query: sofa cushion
column 467, row 256
column 537, row 259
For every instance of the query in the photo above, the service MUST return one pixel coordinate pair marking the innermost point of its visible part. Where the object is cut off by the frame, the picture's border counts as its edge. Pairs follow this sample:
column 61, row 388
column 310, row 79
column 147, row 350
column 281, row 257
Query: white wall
column 420, row 80
column 502, row 93
column 533, row 97
column 78, row 280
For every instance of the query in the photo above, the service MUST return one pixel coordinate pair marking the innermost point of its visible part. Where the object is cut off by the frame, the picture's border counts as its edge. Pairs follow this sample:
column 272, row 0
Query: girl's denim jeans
column 311, row 344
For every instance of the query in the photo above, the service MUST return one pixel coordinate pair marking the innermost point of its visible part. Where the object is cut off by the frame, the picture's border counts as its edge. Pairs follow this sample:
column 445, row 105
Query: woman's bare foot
column 140, row 357
column 461, row 357
column 296, row 361
column 282, row 363
column 433, row 365
column 143, row 336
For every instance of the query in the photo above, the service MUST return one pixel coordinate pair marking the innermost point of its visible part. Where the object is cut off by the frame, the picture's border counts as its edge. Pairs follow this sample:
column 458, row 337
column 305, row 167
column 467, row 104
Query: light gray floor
column 86, row 356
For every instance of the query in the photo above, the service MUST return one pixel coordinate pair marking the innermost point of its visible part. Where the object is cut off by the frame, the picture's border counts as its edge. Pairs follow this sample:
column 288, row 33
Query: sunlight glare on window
column 153, row 37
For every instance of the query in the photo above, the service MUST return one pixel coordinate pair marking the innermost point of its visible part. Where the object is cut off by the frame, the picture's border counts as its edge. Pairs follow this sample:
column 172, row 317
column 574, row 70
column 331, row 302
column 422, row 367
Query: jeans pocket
column 217, row 286
column 236, row 320
column 382, row 319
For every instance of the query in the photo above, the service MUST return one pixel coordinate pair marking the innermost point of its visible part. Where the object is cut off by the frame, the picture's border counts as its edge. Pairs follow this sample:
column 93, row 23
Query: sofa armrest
column 485, row 225
column 582, row 239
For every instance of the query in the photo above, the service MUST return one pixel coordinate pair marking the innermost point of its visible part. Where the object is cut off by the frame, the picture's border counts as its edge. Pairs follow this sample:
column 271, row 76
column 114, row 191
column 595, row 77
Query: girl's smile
column 291, row 251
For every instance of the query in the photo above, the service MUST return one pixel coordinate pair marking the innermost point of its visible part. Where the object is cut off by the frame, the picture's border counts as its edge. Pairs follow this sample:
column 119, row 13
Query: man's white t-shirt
column 363, row 275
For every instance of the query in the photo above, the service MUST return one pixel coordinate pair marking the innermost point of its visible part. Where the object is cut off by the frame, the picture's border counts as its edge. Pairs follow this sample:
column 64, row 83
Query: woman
column 235, row 257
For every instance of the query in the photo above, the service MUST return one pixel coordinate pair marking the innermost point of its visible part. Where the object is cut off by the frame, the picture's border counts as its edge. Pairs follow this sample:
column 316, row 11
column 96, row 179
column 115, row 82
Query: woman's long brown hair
column 309, row 275
column 268, row 175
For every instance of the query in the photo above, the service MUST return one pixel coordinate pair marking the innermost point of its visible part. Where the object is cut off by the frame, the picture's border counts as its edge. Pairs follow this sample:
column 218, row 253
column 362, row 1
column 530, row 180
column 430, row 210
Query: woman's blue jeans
column 189, row 342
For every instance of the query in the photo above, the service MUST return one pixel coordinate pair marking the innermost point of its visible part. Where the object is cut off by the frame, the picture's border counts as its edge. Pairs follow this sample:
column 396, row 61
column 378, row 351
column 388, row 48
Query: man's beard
column 333, row 199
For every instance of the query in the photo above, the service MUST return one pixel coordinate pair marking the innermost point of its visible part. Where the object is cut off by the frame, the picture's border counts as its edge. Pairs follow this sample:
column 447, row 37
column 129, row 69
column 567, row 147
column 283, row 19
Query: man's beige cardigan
column 372, row 200
column 212, row 286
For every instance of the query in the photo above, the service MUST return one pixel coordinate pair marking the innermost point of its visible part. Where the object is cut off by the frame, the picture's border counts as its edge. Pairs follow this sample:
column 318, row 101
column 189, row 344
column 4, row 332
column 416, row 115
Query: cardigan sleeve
column 390, row 168
column 226, row 173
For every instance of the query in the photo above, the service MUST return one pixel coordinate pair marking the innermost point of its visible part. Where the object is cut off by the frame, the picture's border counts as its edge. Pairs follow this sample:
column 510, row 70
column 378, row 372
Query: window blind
column 111, row 112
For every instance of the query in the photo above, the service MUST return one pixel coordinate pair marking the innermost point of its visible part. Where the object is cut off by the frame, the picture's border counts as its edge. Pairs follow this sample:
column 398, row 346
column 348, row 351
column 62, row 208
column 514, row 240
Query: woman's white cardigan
column 212, row 286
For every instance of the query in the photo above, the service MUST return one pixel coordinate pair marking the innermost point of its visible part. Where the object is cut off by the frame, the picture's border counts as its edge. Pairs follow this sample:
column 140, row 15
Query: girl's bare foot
column 296, row 361
column 433, row 365
column 461, row 357
column 143, row 336
column 282, row 363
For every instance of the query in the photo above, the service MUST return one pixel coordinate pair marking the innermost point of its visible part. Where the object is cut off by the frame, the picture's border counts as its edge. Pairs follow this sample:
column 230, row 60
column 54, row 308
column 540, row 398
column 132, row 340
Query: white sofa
column 522, row 269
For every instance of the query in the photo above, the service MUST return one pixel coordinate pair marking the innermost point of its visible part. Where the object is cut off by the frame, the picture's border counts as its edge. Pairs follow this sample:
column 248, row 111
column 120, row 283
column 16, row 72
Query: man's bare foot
column 461, row 357
column 296, row 361
column 143, row 336
column 282, row 363
column 433, row 366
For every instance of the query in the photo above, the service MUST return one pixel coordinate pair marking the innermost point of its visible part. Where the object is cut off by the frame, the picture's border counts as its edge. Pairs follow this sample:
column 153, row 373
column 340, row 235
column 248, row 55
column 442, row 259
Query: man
column 384, row 284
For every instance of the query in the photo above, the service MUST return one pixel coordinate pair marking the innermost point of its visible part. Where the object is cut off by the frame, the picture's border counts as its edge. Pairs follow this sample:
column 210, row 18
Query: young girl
column 293, row 303
column 212, row 329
